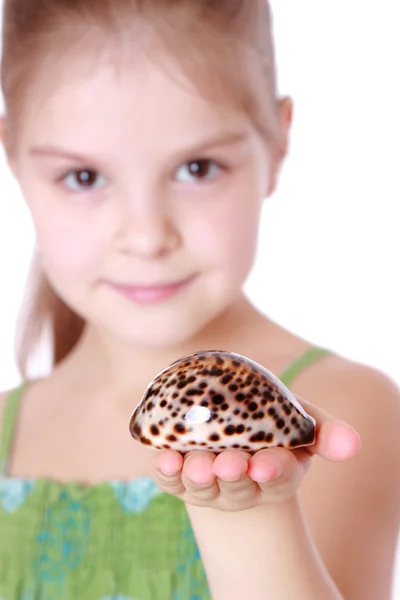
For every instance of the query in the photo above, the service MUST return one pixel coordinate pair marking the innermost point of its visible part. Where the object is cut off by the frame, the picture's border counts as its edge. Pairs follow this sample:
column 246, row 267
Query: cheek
column 70, row 244
column 227, row 236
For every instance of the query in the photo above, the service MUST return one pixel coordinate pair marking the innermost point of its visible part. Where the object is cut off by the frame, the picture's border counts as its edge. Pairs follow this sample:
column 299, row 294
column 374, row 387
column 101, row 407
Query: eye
column 85, row 179
column 198, row 170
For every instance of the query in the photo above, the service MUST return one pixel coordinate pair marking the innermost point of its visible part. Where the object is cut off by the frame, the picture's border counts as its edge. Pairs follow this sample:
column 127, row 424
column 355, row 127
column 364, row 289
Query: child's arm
column 342, row 547
column 264, row 553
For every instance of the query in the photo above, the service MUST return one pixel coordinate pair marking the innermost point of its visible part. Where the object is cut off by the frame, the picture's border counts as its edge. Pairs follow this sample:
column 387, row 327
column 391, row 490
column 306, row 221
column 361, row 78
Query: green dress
column 112, row 541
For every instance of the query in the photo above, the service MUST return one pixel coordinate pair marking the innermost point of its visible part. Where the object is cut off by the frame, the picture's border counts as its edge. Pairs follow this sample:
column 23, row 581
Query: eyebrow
column 225, row 139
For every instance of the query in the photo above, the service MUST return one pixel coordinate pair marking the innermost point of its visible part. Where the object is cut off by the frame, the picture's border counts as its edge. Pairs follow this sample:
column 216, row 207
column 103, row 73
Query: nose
column 147, row 232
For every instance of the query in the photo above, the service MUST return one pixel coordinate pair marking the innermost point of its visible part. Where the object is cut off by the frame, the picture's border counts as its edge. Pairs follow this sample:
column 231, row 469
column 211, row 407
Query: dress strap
column 8, row 426
column 305, row 360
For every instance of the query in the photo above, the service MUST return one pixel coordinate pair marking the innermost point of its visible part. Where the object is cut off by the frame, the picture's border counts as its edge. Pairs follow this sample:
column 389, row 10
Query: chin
column 158, row 331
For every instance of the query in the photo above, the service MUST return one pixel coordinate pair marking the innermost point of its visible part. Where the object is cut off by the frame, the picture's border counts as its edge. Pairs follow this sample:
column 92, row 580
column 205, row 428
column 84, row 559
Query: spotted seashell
column 218, row 400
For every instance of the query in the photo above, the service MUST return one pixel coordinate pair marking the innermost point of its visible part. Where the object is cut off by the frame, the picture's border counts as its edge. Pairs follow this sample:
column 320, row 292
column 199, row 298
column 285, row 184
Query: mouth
column 150, row 293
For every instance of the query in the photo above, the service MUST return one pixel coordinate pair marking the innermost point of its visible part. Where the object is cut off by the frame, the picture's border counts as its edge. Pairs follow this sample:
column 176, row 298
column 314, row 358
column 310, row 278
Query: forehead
column 117, row 95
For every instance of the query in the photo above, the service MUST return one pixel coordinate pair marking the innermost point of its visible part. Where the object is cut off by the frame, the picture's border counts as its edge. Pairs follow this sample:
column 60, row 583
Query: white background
column 329, row 252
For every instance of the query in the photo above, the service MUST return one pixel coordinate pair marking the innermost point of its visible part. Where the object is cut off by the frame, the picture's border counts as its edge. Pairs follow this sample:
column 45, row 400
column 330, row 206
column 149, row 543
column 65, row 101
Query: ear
column 285, row 112
column 285, row 117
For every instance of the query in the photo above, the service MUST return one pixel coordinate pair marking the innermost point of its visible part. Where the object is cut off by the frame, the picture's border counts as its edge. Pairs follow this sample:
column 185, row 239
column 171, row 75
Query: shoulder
column 361, row 395
column 369, row 401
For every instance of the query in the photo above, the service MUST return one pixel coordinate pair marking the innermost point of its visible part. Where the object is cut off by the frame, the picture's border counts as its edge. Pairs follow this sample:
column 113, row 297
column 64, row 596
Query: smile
column 150, row 293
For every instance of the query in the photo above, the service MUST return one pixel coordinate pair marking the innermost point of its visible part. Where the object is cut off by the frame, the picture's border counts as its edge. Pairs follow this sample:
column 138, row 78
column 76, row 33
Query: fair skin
column 291, row 512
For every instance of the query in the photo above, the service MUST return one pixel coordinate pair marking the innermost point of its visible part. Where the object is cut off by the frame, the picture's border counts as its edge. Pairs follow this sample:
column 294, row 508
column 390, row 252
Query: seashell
column 218, row 400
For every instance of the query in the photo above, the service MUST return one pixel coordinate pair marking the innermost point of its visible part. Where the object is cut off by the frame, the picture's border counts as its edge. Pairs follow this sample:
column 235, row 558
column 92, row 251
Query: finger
column 231, row 465
column 231, row 468
column 167, row 472
column 275, row 468
column 169, row 462
column 335, row 439
column 198, row 477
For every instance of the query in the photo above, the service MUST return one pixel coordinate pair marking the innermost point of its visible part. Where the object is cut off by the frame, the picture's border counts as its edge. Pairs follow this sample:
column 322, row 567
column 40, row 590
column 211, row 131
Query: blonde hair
column 211, row 41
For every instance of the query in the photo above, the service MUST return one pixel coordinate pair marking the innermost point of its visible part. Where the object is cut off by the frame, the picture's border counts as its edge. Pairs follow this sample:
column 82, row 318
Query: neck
column 111, row 365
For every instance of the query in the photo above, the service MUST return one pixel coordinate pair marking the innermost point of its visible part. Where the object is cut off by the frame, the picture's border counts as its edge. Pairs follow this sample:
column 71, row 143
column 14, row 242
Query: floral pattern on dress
column 62, row 545
column 13, row 493
column 136, row 495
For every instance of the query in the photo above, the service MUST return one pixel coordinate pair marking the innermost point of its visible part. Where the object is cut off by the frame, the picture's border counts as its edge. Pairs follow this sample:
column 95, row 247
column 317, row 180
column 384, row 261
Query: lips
column 150, row 293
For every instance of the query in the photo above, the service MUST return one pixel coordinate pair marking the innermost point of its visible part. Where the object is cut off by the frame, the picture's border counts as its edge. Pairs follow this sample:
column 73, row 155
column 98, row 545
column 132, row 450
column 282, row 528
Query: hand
column 235, row 480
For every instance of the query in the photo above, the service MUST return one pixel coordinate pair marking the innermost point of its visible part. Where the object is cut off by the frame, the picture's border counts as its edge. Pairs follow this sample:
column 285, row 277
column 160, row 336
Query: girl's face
column 145, row 198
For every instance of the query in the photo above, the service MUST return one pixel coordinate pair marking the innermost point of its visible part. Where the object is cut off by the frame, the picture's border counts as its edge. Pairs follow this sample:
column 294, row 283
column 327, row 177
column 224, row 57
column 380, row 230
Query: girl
column 145, row 136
